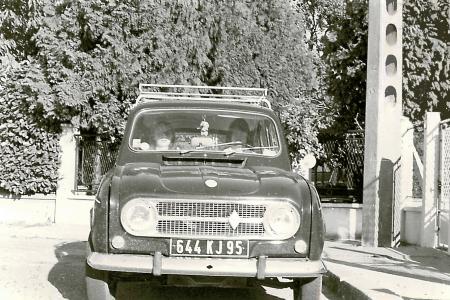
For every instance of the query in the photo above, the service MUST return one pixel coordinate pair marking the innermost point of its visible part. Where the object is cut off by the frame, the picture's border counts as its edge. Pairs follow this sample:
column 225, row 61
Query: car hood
column 152, row 179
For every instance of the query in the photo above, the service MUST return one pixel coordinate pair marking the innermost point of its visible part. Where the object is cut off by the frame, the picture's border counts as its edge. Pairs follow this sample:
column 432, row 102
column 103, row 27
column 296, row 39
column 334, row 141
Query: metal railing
column 443, row 203
column 340, row 174
column 95, row 157
column 160, row 92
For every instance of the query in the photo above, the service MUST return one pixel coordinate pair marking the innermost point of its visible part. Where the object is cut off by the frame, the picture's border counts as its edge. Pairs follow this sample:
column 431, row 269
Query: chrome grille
column 210, row 219
column 209, row 209
column 209, row 228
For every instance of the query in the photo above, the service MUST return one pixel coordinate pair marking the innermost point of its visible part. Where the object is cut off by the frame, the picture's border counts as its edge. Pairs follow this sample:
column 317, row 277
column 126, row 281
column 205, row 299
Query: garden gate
column 443, row 207
column 95, row 156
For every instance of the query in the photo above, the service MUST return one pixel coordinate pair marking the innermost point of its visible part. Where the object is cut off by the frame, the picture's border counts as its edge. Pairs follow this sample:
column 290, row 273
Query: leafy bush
column 426, row 82
column 301, row 124
column 82, row 62
column 95, row 53
column 28, row 151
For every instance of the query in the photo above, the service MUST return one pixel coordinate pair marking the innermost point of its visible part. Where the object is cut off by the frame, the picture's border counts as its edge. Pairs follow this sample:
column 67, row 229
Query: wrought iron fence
column 340, row 174
column 95, row 156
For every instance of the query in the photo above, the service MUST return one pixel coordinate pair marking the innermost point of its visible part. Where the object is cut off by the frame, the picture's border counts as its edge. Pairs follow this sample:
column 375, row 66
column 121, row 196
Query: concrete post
column 430, row 194
column 383, row 114
column 66, row 173
column 407, row 161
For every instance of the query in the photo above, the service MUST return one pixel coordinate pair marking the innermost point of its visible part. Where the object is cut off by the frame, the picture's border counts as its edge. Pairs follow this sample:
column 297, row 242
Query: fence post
column 407, row 160
column 430, row 180
column 66, row 172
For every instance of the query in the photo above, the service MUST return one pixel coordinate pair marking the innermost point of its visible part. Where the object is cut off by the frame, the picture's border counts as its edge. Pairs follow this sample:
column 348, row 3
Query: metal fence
column 96, row 155
column 443, row 205
column 340, row 174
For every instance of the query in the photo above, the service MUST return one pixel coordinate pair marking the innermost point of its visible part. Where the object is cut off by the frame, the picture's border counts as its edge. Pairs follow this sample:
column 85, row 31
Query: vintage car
column 202, row 193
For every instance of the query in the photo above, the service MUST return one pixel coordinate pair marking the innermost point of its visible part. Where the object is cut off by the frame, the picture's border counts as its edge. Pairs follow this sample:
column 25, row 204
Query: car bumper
column 157, row 264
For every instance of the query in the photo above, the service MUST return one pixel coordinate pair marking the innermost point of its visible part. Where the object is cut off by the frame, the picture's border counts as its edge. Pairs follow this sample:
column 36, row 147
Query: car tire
column 308, row 289
column 97, row 287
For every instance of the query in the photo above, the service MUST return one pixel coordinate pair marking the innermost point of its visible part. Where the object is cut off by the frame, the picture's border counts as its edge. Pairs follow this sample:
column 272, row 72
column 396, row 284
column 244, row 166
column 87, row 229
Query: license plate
column 193, row 247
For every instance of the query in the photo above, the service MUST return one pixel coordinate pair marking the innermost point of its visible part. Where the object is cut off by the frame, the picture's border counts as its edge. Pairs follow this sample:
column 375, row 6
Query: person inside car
column 239, row 136
column 161, row 138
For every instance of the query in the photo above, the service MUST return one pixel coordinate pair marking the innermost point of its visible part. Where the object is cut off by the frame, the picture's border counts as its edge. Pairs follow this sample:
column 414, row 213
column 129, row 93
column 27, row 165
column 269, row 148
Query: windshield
column 204, row 130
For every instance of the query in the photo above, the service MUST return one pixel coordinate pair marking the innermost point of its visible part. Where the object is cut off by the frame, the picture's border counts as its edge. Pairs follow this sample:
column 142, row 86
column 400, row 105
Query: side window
column 266, row 137
column 272, row 135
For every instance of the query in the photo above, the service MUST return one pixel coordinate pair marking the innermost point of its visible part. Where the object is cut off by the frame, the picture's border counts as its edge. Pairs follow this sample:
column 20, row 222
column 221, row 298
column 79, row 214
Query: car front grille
column 209, row 228
column 217, row 219
column 208, row 219
column 209, row 209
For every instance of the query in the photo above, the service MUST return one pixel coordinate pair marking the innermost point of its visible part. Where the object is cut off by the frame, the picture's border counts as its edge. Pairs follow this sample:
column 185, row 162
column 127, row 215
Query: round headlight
column 139, row 217
column 281, row 220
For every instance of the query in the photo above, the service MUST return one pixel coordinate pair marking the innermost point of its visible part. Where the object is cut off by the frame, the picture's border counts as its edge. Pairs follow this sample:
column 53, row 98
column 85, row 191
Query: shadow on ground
column 67, row 275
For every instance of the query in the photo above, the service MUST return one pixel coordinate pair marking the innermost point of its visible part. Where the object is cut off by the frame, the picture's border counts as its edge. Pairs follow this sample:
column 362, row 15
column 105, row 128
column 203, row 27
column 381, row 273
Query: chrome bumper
column 157, row 264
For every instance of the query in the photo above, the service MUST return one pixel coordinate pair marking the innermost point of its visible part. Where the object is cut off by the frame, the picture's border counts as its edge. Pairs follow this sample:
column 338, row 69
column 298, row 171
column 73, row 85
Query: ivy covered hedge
column 28, row 150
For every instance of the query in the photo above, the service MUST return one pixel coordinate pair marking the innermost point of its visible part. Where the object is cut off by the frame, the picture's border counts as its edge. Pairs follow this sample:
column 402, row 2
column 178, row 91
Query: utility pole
column 382, row 126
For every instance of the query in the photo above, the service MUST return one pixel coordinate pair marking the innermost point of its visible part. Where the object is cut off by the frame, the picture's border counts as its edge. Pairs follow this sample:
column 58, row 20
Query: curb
column 342, row 288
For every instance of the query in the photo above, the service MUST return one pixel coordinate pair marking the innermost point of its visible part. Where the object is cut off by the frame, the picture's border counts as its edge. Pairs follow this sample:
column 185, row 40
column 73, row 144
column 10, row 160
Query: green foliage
column 301, row 123
column 28, row 152
column 426, row 81
column 81, row 63
column 95, row 53
column 345, row 56
column 105, row 49
column 18, row 24
column 319, row 16
column 339, row 31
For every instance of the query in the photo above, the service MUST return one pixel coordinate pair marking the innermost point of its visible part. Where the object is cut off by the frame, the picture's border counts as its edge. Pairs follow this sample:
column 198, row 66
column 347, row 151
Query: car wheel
column 97, row 286
column 308, row 288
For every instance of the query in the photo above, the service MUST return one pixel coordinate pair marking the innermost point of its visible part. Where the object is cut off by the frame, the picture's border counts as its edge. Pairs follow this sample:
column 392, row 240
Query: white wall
column 41, row 209
column 342, row 221
column 411, row 225
column 36, row 209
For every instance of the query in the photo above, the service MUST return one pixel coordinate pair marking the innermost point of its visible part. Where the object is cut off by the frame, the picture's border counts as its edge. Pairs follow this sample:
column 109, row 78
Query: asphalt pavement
column 47, row 262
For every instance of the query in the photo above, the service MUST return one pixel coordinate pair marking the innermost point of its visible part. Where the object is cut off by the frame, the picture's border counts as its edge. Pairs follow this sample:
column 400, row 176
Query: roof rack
column 161, row 92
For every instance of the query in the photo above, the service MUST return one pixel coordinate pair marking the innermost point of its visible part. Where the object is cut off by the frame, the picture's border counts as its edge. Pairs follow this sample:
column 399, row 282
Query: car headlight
column 139, row 217
column 281, row 220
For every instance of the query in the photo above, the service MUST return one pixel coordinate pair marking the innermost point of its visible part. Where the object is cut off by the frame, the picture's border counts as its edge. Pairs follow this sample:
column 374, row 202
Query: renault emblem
column 234, row 220
column 211, row 183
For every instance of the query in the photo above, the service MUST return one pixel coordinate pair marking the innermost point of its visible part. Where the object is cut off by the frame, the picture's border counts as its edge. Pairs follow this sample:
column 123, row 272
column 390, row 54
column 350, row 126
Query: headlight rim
column 153, row 212
column 295, row 225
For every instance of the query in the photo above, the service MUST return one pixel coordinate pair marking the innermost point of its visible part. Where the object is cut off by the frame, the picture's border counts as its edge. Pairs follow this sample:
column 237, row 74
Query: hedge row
column 28, row 152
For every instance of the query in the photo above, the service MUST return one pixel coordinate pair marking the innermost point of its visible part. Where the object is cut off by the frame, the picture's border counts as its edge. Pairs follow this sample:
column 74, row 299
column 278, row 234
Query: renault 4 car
column 202, row 193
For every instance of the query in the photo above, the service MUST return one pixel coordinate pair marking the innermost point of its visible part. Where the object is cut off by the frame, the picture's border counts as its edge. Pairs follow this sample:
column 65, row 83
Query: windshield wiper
column 242, row 150
column 186, row 151
column 228, row 151
column 218, row 145
column 259, row 147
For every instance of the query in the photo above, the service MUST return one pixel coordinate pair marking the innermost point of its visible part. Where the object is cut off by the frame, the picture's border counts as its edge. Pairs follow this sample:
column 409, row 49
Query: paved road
column 51, row 268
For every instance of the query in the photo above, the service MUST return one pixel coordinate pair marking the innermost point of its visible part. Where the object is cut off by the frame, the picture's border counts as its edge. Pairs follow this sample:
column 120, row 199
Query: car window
column 205, row 130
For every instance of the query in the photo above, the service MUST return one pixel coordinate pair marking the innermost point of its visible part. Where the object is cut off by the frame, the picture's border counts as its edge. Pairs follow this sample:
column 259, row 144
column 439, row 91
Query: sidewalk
column 407, row 272
column 65, row 232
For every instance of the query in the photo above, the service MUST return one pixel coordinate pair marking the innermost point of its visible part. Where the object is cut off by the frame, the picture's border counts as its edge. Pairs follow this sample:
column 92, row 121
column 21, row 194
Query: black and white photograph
column 224, row 149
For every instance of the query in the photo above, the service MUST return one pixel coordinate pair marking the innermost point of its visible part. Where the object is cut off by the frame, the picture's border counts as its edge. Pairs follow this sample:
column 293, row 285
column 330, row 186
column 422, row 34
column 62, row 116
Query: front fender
column 317, row 226
column 98, row 237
